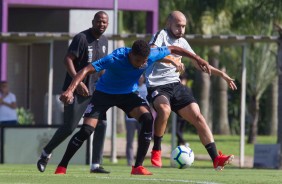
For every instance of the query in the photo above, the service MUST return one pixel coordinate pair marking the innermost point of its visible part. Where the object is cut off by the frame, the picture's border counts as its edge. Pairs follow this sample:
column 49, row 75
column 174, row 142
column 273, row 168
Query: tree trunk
column 223, row 123
column 203, row 94
column 254, row 111
column 219, row 99
column 214, row 111
column 273, row 123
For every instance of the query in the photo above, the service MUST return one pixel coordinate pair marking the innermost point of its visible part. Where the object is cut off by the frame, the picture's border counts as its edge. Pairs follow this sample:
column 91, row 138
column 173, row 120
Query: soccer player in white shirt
column 166, row 93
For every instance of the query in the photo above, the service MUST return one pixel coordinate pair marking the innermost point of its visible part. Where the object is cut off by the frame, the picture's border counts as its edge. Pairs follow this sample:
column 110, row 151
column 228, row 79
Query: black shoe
column 42, row 163
column 99, row 170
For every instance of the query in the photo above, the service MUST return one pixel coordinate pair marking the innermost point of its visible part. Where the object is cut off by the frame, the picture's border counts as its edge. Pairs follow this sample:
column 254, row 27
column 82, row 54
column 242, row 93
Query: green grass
column 225, row 143
column 201, row 173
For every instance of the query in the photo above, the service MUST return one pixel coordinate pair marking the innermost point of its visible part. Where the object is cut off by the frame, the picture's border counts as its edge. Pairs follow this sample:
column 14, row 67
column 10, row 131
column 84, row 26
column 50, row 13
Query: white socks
column 95, row 166
column 46, row 154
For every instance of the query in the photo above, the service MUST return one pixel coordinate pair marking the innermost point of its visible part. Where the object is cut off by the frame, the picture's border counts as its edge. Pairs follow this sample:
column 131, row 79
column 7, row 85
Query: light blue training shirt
column 120, row 76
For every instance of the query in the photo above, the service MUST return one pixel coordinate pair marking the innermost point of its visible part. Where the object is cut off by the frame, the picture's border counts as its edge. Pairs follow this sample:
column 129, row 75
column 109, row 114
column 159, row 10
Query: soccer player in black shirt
column 85, row 47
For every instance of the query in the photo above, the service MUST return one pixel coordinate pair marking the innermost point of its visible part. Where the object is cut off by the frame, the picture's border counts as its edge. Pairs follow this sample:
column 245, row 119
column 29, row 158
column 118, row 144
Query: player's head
column 176, row 23
column 139, row 53
column 100, row 22
column 4, row 87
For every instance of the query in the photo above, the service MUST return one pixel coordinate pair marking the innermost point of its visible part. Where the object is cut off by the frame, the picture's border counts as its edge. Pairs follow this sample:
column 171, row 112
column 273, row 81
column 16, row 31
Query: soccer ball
column 182, row 157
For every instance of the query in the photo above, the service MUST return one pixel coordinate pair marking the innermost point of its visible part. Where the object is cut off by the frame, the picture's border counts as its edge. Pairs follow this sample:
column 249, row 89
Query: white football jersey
column 161, row 73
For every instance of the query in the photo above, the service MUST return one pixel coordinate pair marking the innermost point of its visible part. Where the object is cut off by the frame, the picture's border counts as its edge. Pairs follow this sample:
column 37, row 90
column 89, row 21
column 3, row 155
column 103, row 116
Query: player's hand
column 204, row 65
column 229, row 81
column 67, row 97
column 82, row 89
column 176, row 61
column 180, row 67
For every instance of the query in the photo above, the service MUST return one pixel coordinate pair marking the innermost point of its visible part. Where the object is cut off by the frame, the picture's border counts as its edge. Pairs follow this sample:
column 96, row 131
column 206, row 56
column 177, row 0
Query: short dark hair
column 141, row 48
column 98, row 14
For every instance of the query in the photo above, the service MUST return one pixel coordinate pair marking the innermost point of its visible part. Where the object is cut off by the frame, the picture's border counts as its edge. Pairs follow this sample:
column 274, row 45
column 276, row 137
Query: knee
column 146, row 121
column 146, row 118
column 163, row 110
column 200, row 118
column 200, row 121
column 86, row 131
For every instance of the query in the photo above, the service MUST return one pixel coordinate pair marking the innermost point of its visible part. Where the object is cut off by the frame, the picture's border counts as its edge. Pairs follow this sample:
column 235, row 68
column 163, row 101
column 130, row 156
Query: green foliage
column 261, row 68
column 242, row 17
column 134, row 22
column 25, row 116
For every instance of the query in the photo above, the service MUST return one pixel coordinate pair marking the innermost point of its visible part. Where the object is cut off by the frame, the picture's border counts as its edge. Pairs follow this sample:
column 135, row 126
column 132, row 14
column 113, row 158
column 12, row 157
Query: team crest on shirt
column 89, row 108
column 104, row 49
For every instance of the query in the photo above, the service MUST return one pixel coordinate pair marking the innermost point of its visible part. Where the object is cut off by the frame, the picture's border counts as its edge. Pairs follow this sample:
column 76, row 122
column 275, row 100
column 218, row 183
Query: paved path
column 166, row 149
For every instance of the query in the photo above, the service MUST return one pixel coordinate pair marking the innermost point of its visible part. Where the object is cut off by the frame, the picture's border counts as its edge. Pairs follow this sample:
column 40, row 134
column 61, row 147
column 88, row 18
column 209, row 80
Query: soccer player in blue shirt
column 117, row 87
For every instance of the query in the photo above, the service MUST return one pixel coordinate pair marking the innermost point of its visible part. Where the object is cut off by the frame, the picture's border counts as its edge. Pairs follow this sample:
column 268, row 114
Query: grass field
column 226, row 143
column 200, row 173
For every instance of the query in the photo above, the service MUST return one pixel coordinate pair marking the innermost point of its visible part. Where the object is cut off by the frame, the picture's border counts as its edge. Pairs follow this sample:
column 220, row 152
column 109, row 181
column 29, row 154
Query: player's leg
column 192, row 114
column 76, row 142
column 145, row 118
column 98, row 106
column 179, row 131
column 98, row 147
column 162, row 106
column 72, row 114
column 130, row 124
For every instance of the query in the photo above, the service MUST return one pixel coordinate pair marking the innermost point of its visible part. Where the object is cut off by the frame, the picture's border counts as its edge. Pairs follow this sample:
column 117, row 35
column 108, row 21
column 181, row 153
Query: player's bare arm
column 203, row 64
column 67, row 96
column 217, row 72
column 81, row 88
column 226, row 77
column 174, row 61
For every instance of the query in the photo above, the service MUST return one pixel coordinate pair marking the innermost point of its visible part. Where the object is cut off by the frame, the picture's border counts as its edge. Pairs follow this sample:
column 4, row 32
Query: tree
column 261, row 67
column 265, row 12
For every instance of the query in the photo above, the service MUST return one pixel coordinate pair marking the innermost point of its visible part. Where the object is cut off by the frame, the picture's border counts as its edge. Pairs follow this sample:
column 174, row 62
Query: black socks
column 144, row 138
column 211, row 148
column 76, row 142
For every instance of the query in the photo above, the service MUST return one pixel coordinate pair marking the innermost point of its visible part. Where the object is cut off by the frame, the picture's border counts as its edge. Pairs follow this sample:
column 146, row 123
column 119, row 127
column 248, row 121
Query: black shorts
column 101, row 102
column 178, row 95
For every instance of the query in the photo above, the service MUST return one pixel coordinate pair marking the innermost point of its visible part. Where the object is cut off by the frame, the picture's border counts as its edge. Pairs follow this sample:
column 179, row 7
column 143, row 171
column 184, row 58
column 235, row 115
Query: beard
column 171, row 34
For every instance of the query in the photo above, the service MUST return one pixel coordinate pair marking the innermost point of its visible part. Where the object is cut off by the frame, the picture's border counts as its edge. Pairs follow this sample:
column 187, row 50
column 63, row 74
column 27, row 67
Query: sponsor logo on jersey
column 90, row 54
column 104, row 49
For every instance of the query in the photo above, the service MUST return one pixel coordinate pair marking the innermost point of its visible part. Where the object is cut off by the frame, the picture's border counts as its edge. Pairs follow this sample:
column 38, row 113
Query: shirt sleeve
column 157, row 39
column 187, row 46
column 158, row 53
column 103, row 63
column 77, row 46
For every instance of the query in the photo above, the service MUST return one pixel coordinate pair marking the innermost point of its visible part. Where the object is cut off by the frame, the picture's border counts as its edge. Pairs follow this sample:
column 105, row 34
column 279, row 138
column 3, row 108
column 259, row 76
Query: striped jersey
column 161, row 73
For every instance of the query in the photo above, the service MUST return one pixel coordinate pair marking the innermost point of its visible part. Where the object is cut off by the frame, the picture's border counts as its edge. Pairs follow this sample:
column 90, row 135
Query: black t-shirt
column 86, row 48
